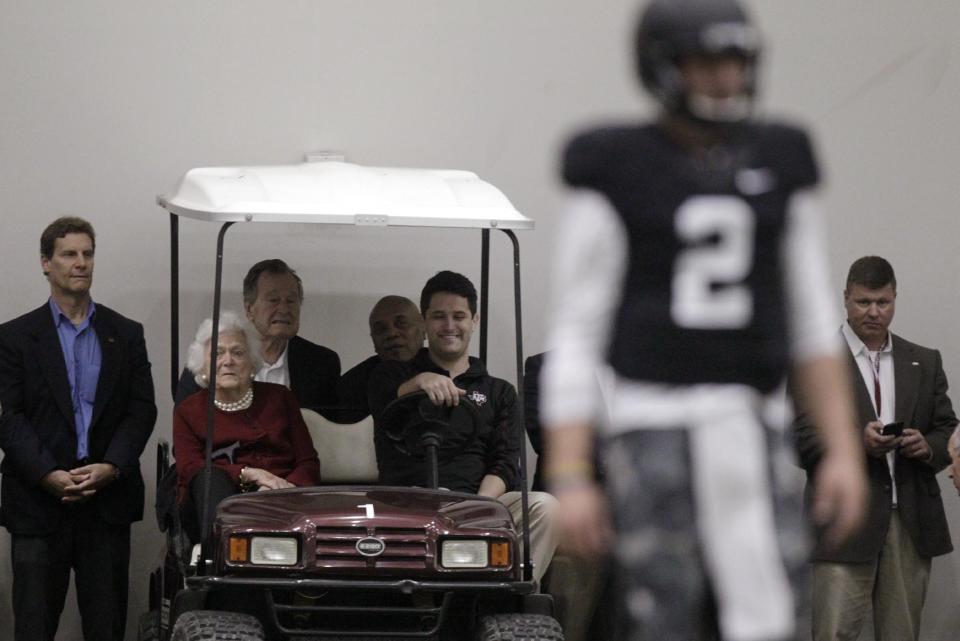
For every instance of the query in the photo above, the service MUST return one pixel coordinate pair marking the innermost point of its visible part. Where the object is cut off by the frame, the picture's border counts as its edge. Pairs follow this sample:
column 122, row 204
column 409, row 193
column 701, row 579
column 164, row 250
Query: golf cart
column 353, row 560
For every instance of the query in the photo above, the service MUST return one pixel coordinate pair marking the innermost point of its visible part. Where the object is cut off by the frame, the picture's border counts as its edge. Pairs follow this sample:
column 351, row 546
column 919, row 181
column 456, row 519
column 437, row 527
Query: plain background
column 104, row 105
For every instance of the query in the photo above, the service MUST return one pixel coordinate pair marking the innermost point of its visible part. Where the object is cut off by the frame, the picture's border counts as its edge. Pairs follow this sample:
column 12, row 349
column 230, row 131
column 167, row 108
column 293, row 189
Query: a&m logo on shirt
column 477, row 398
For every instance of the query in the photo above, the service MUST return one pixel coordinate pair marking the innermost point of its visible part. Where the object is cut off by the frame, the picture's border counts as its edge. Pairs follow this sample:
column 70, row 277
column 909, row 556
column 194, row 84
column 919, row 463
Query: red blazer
column 270, row 435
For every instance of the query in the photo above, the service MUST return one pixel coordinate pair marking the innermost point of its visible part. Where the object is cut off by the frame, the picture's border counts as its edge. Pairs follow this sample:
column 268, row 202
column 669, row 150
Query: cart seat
column 346, row 451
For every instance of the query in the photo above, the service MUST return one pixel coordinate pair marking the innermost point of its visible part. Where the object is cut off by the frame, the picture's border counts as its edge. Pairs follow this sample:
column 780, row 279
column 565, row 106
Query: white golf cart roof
column 341, row 193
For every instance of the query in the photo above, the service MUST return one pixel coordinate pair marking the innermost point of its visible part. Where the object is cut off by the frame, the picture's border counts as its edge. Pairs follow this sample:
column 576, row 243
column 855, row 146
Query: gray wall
column 105, row 104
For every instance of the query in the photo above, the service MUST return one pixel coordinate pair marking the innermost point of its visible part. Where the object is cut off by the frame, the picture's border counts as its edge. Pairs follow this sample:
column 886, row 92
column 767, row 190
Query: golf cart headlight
column 273, row 550
column 464, row 554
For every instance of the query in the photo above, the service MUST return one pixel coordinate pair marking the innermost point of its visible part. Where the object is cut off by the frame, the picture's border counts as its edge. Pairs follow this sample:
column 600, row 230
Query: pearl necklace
column 235, row 406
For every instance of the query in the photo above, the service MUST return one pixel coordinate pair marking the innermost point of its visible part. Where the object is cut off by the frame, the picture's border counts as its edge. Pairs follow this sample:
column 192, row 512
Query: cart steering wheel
column 412, row 422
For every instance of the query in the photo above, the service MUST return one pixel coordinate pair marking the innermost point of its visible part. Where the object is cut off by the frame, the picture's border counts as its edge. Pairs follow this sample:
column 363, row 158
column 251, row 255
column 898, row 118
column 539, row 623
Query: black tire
column 148, row 628
column 519, row 627
column 214, row 625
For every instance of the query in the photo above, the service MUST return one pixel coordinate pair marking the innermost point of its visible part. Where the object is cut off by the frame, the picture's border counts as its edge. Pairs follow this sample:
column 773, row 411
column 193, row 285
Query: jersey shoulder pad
column 590, row 155
column 789, row 149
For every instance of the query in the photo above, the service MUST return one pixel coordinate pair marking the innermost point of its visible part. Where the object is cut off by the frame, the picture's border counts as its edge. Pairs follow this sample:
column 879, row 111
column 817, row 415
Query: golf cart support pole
column 484, row 290
column 174, row 302
column 518, row 330
column 212, row 378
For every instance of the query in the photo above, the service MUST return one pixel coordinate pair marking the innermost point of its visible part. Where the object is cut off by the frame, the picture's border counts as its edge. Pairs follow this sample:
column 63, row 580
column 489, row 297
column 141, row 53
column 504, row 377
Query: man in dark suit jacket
column 895, row 381
column 78, row 409
column 272, row 295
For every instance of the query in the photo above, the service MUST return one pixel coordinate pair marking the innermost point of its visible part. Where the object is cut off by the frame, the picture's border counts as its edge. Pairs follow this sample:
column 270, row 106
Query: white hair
column 955, row 439
column 230, row 323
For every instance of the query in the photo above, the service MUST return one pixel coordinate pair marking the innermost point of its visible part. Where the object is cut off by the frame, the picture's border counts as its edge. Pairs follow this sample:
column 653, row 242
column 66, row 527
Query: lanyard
column 874, row 358
column 875, row 363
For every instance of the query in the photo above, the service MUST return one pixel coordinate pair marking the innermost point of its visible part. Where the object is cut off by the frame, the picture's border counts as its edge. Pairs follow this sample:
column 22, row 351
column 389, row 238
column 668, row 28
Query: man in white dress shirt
column 905, row 422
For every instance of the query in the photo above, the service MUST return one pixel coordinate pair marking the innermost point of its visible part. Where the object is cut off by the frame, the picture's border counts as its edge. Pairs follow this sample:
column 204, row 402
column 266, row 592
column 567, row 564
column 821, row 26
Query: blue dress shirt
column 82, row 355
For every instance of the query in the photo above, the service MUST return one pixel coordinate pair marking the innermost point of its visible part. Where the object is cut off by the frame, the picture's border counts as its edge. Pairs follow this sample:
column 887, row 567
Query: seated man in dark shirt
column 272, row 296
column 485, row 462
column 396, row 328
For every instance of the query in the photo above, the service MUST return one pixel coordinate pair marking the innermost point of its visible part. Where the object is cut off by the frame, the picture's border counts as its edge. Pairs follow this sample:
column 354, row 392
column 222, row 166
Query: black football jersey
column 703, row 295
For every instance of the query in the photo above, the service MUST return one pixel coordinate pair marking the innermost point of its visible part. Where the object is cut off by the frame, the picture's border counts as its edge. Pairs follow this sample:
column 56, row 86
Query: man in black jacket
column 78, row 409
column 272, row 296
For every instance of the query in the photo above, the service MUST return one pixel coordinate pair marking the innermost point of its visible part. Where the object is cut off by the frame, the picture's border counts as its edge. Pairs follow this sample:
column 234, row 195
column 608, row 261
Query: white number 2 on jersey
column 708, row 289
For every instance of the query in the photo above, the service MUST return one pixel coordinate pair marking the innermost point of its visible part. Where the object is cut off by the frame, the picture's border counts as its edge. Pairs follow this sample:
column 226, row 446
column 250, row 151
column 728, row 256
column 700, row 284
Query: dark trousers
column 99, row 555
column 221, row 487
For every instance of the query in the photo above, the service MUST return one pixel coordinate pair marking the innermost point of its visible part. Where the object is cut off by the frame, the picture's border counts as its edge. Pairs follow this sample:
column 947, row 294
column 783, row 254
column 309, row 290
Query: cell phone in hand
column 892, row 429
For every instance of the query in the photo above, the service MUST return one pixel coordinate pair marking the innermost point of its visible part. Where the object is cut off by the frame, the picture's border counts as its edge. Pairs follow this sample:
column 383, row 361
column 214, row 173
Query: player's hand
column 583, row 520
column 840, row 497
column 914, row 445
column 264, row 479
column 875, row 443
column 440, row 389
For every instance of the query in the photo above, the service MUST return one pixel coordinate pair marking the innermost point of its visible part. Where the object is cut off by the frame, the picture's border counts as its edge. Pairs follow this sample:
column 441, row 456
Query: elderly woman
column 260, row 441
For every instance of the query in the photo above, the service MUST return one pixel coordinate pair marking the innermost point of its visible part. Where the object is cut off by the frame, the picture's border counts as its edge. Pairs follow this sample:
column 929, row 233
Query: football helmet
column 668, row 30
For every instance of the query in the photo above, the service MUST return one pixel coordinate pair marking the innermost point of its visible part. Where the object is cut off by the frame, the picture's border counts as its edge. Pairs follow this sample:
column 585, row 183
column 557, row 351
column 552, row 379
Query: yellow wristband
column 570, row 468
column 569, row 474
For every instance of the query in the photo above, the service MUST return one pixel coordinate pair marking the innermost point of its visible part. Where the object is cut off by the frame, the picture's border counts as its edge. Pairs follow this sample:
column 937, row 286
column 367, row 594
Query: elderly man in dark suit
column 78, row 409
column 272, row 295
column 906, row 420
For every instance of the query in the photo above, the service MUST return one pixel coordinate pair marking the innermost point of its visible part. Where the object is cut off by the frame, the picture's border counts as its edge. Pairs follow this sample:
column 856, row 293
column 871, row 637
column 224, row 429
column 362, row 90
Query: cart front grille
column 404, row 548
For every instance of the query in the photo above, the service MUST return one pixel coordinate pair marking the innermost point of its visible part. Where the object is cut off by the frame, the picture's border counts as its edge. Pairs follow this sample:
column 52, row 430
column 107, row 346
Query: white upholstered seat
column 346, row 451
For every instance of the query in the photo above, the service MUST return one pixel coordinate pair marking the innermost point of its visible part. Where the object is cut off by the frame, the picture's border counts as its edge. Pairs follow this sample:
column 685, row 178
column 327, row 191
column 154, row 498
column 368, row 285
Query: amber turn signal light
column 499, row 555
column 239, row 549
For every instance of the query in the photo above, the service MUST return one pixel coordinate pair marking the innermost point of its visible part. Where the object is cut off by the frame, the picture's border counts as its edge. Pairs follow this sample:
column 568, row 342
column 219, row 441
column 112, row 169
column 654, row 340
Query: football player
column 691, row 278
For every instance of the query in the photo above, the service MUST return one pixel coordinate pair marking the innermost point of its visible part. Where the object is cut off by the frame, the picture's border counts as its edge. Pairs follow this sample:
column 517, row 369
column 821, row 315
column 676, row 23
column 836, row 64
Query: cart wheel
column 214, row 625
column 519, row 627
